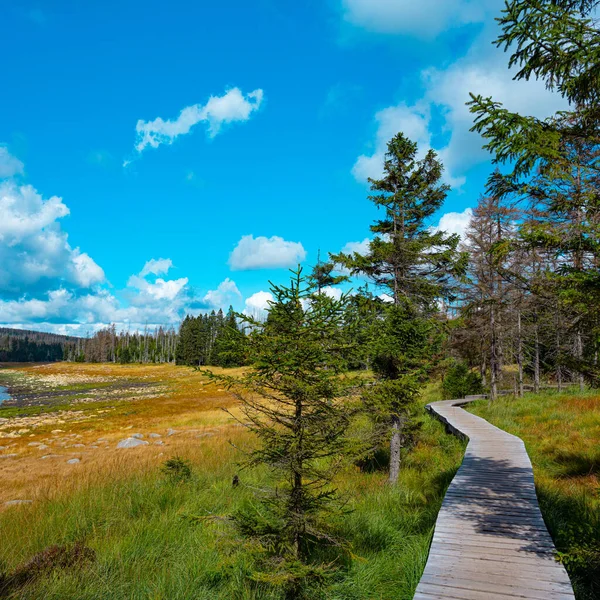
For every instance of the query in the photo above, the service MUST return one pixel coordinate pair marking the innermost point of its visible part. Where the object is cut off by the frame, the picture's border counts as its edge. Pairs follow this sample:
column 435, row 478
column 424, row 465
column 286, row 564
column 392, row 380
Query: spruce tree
column 406, row 257
column 415, row 265
column 229, row 348
column 554, row 162
column 295, row 401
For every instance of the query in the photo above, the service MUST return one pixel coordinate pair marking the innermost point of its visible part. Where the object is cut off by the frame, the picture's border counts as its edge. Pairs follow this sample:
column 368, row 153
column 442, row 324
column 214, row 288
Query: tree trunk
column 493, row 356
column 395, row 447
column 520, row 354
column 536, row 357
column 579, row 354
column 558, row 356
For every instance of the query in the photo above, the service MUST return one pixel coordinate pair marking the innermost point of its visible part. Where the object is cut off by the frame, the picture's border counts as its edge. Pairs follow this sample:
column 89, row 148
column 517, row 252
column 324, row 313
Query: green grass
column 562, row 436
column 152, row 538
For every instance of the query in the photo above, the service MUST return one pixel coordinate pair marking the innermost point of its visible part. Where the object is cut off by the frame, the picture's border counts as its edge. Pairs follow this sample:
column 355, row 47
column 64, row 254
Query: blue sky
column 162, row 158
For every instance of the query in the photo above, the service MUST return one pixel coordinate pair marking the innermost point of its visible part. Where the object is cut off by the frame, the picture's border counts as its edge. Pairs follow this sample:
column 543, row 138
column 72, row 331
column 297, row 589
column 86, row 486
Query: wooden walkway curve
column 490, row 540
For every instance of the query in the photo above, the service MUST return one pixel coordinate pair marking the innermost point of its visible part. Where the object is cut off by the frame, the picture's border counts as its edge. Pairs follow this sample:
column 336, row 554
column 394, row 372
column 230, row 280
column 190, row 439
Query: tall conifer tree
column 413, row 263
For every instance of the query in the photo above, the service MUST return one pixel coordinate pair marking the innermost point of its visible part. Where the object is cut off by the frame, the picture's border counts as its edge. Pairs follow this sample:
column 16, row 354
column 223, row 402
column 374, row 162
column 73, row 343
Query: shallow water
column 4, row 395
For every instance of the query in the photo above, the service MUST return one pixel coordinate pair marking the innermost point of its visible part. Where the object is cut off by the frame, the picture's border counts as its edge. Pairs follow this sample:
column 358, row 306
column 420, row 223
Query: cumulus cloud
column 423, row 19
column 483, row 70
column 158, row 266
column 265, row 253
column 35, row 255
column 257, row 304
column 146, row 301
column 414, row 121
column 226, row 293
column 9, row 164
column 358, row 247
column 332, row 292
column 218, row 111
column 87, row 271
column 46, row 283
column 160, row 289
column 455, row 222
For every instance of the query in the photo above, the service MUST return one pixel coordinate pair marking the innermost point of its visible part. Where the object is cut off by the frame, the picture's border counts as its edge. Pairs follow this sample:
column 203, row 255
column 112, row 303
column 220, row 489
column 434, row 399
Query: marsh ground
column 153, row 538
column 61, row 411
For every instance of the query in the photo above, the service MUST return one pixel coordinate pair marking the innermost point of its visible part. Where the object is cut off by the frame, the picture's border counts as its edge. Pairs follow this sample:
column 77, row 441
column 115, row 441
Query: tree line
column 20, row 345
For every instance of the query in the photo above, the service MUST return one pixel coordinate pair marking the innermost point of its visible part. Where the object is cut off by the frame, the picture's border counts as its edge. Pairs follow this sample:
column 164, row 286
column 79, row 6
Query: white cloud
column 35, row 255
column 414, row 121
column 332, row 292
column 361, row 248
column 265, row 253
column 455, row 222
column 9, row 164
column 446, row 91
column 218, row 111
column 155, row 266
column 257, row 304
column 422, row 19
column 45, row 283
column 482, row 71
column 225, row 294
column 87, row 271
column 160, row 289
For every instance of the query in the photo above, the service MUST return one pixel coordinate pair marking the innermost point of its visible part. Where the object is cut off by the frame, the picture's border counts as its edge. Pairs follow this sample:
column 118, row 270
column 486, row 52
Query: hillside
column 23, row 345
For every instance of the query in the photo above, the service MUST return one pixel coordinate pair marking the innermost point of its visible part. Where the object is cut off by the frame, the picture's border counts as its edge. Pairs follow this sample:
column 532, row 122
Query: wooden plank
column 502, row 578
column 518, row 588
column 490, row 540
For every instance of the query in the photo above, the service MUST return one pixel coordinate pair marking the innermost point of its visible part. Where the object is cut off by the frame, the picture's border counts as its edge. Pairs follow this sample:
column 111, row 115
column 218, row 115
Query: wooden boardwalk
column 490, row 540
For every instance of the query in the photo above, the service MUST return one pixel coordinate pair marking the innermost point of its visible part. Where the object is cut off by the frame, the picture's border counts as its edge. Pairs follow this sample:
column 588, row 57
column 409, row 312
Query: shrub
column 460, row 382
column 177, row 470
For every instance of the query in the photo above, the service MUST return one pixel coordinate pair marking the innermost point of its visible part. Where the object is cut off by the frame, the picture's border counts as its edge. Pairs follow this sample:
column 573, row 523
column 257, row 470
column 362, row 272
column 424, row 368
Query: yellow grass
column 188, row 403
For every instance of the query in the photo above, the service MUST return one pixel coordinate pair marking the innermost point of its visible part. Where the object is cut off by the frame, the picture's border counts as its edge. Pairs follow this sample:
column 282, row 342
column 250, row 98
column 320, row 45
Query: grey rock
column 131, row 443
column 73, row 461
column 34, row 444
column 154, row 435
column 139, row 436
column 171, row 432
column 78, row 446
column 8, row 455
column 49, row 456
column 159, row 443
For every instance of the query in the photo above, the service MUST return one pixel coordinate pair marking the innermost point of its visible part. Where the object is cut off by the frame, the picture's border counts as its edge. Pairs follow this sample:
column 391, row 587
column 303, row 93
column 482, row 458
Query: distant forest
column 210, row 339
column 20, row 345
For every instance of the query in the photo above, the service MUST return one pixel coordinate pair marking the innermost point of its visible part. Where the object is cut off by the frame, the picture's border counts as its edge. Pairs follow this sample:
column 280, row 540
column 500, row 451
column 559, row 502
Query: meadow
column 116, row 525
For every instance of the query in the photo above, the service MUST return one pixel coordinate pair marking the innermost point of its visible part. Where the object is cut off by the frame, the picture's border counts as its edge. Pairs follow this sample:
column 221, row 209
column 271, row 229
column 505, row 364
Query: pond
column 4, row 395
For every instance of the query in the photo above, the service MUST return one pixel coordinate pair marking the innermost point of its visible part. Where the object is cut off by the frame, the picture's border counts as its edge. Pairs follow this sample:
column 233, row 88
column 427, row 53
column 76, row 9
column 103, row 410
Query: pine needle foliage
column 554, row 163
column 406, row 257
column 417, row 267
column 296, row 400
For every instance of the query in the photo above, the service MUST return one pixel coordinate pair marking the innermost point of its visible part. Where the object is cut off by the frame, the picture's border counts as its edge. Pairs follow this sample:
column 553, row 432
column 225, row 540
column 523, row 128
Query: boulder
column 131, row 443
